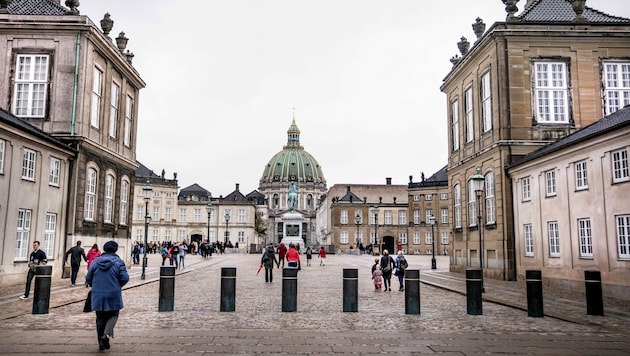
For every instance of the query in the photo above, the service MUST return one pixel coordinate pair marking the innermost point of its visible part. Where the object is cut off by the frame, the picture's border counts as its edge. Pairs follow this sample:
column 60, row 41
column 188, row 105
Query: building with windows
column 557, row 229
column 523, row 84
column 67, row 77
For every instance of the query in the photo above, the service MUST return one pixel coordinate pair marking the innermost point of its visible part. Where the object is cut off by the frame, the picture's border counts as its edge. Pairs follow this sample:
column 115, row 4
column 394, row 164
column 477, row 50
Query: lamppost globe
column 147, row 197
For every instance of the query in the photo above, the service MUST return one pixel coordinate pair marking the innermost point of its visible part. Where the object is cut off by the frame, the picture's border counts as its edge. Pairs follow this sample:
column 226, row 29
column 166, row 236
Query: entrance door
column 388, row 244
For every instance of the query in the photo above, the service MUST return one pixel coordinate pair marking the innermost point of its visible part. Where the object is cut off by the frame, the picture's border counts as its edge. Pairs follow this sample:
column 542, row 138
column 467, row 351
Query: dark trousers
column 269, row 274
column 74, row 273
column 387, row 280
column 105, row 322
column 29, row 279
column 401, row 277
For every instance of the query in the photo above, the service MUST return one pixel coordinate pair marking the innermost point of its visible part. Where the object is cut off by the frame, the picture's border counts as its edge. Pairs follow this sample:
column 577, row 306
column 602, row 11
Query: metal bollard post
column 594, row 298
column 533, row 281
column 41, row 294
column 474, row 284
column 412, row 291
column 289, row 289
column 167, row 289
column 228, row 289
column 350, row 290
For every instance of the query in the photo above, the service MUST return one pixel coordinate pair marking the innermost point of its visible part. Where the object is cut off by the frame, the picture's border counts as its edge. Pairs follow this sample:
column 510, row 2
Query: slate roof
column 144, row 172
column 257, row 197
column 193, row 190
column 36, row 7
column 562, row 11
column 439, row 178
column 11, row 120
column 612, row 122
column 350, row 197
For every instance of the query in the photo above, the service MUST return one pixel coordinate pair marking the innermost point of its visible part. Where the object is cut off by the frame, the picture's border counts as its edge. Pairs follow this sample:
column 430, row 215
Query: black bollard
column 167, row 289
column 474, row 285
column 41, row 294
column 594, row 299
column 412, row 291
column 228, row 289
column 533, row 281
column 350, row 290
column 289, row 289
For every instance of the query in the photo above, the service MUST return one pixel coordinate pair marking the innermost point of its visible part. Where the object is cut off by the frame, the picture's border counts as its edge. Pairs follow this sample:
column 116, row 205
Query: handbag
column 87, row 307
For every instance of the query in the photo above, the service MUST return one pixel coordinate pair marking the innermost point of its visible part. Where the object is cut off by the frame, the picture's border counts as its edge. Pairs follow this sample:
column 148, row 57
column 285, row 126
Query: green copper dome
column 293, row 163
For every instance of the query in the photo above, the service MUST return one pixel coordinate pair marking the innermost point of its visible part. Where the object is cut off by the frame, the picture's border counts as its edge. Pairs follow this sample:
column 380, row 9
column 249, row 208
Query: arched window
column 110, row 188
column 309, row 201
column 90, row 193
column 276, row 201
column 124, row 200
column 457, row 205
column 490, row 205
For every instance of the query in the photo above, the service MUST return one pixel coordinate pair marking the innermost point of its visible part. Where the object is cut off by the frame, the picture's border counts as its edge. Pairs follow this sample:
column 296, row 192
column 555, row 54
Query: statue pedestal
column 292, row 229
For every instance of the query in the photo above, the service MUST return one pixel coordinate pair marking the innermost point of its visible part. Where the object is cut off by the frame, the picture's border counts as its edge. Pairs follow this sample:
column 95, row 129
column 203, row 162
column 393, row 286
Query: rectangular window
column 468, row 104
column 444, row 237
column 429, row 216
column 240, row 215
column 181, row 235
column 416, row 197
column 196, row 215
column 586, row 238
column 31, row 85
column 416, row 217
column 241, row 237
column 402, row 237
column 97, row 93
column 486, row 102
column 156, row 235
column 182, row 215
column 167, row 214
column 416, row 238
column 529, row 240
column 616, row 86
column 623, row 236
column 428, row 197
column 90, row 194
column 139, row 212
column 2, row 150
column 113, row 109
column 343, row 239
column 55, row 169
column 428, row 238
column 554, row 239
column 457, row 205
column 23, row 234
column 402, row 217
column 124, row 201
column 156, row 213
column 344, row 217
column 358, row 237
column 551, row 92
column 490, row 206
column 620, row 166
column 140, row 235
column 472, row 205
column 550, row 180
column 388, row 217
column 28, row 165
column 444, row 216
column 167, row 235
column 526, row 189
column 128, row 121
column 109, row 198
column 48, row 245
column 455, row 125
column 444, row 196
column 581, row 176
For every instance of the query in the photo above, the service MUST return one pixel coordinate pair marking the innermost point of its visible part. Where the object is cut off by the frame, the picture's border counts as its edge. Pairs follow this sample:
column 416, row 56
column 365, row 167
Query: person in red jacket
column 322, row 256
column 293, row 257
column 282, row 252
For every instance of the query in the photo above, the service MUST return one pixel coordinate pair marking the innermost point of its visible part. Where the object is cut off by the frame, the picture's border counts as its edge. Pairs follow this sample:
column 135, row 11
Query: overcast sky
column 364, row 76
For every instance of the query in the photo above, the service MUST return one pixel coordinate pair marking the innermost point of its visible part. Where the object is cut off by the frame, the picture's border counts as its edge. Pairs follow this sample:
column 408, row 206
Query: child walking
column 377, row 278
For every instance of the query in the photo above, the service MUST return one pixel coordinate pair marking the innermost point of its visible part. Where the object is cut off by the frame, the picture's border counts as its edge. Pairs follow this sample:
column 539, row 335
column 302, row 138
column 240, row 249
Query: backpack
column 175, row 249
column 402, row 264
column 265, row 257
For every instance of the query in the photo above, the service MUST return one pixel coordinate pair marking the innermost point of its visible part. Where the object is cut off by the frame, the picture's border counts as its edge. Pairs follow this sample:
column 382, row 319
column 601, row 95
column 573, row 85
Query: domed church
column 293, row 168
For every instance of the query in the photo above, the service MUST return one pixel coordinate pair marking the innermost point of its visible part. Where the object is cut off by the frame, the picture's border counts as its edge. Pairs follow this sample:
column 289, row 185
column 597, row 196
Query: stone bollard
column 289, row 289
column 350, row 290
column 533, row 281
column 594, row 299
column 474, row 285
column 41, row 294
column 167, row 289
column 412, row 291
column 228, row 289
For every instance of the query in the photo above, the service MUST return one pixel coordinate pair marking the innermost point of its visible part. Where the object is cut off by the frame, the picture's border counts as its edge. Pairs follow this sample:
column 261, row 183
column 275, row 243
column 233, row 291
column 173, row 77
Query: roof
column 612, row 122
column 438, row 179
column 36, row 7
column 562, row 11
column 194, row 190
column 257, row 197
column 144, row 172
column 350, row 197
column 11, row 120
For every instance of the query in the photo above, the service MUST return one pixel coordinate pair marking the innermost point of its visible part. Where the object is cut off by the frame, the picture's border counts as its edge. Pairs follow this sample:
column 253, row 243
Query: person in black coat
column 76, row 253
column 387, row 266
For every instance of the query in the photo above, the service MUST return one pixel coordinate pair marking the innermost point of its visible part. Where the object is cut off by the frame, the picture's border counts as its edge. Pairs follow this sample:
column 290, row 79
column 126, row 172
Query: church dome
column 293, row 163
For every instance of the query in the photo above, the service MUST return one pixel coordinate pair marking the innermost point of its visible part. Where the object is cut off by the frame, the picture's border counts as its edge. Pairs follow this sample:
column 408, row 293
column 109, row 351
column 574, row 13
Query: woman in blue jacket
column 107, row 275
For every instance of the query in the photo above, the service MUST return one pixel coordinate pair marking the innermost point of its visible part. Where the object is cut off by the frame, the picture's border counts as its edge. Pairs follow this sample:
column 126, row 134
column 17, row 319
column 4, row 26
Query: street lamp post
column 357, row 222
column 209, row 210
column 433, row 262
column 147, row 197
column 478, row 181
column 227, row 221
column 375, row 213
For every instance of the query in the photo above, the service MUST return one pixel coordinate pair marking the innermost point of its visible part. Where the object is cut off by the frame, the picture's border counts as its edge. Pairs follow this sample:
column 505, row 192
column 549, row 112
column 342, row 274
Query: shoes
column 390, row 289
column 74, row 285
column 105, row 341
column 23, row 296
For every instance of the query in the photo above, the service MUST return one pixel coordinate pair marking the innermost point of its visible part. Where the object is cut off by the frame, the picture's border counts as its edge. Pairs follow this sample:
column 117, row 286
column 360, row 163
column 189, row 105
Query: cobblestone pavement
column 258, row 326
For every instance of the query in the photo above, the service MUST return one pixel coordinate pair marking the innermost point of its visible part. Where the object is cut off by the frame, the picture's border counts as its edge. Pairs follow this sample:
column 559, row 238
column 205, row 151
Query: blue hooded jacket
column 107, row 275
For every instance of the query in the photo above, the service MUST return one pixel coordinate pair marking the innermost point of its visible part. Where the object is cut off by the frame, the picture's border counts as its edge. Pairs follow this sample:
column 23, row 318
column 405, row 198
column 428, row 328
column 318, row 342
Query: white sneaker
column 23, row 297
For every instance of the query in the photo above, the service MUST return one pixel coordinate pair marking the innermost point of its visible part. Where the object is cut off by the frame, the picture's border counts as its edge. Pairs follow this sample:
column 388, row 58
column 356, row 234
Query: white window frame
column 550, row 183
column 416, row 237
column 139, row 212
column 108, row 211
column 181, row 235
column 416, row 217
column 55, row 171
column 389, row 217
column 444, row 196
column 444, row 215
column 156, row 213
column 344, row 217
column 124, row 201
column 554, row 238
column 240, row 215
column 156, row 235
column 30, row 91
column 551, row 92
column 50, row 232
column 402, row 217
column 444, row 237
column 528, row 238
column 2, row 150
column 97, row 94
column 23, row 234
column 620, row 165
column 416, row 197
column 457, row 206
column 585, row 237
column 489, row 200
column 486, row 102
column 91, row 180
column 472, row 204
column 428, row 197
column 29, row 162
column 526, row 189
column 167, row 214
column 140, row 235
column 455, row 124
column 241, row 237
column 616, row 85
column 581, row 175
column 623, row 235
column 128, row 121
column 182, row 215
column 427, row 215
column 167, row 235
column 402, row 237
column 470, row 119
column 196, row 215
column 428, row 238
column 343, row 237
column 114, row 102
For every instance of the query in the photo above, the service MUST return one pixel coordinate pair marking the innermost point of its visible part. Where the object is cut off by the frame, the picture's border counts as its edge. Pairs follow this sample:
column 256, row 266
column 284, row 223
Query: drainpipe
column 76, row 84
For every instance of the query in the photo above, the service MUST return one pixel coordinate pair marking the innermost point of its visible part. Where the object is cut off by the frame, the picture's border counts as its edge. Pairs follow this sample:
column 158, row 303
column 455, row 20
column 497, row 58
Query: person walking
column 322, row 256
column 76, row 253
column 135, row 253
column 282, row 252
column 377, row 278
column 107, row 276
column 165, row 255
column 309, row 256
column 387, row 266
column 92, row 254
column 174, row 253
column 293, row 257
column 182, row 254
column 267, row 260
column 37, row 257
column 401, row 266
